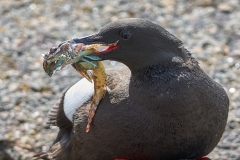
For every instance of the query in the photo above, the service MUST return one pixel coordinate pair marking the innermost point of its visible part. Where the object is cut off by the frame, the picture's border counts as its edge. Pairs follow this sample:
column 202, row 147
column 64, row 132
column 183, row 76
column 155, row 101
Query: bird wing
column 57, row 117
column 118, row 83
column 79, row 96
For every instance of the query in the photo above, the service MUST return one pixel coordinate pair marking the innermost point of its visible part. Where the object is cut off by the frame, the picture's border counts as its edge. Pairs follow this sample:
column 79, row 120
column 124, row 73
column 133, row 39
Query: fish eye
column 53, row 49
column 125, row 35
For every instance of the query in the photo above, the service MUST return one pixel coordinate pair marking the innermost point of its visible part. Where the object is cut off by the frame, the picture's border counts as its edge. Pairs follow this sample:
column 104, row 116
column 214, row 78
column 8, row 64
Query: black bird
column 162, row 106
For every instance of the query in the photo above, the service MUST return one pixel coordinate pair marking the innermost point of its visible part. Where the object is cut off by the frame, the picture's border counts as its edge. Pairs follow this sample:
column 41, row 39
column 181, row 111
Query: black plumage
column 164, row 107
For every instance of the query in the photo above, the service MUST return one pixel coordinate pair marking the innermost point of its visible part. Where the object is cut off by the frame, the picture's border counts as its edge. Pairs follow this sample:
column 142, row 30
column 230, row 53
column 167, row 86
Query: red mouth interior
column 108, row 49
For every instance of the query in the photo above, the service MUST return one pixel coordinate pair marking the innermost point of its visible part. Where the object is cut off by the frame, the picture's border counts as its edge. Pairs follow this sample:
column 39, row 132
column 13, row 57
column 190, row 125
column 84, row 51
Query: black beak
column 92, row 39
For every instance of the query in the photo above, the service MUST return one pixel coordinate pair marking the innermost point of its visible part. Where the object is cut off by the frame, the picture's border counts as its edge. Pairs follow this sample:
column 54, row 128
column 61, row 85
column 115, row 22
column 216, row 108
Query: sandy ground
column 210, row 29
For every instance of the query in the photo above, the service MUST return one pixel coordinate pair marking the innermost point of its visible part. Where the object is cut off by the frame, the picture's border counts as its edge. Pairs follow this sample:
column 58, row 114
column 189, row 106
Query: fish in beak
column 83, row 57
column 73, row 51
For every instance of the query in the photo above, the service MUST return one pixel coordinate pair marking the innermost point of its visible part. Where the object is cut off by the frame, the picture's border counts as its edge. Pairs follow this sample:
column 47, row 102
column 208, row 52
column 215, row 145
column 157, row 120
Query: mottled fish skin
column 100, row 84
column 71, row 53
column 82, row 71
column 100, row 88
column 57, row 57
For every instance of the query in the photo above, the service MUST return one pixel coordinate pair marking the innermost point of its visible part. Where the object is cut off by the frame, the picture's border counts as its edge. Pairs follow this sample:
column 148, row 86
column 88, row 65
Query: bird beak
column 76, row 50
column 100, row 46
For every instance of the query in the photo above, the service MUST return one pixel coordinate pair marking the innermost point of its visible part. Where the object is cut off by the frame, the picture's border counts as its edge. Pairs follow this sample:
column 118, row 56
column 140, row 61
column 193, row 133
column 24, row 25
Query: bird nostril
column 53, row 49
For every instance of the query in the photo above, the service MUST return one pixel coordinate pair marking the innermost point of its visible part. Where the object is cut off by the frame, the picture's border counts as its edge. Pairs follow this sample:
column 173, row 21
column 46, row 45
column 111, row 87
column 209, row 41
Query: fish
column 100, row 84
column 71, row 52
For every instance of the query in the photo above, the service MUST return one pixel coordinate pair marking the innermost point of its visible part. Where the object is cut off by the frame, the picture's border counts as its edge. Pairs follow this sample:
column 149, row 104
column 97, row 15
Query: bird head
column 135, row 42
column 140, row 43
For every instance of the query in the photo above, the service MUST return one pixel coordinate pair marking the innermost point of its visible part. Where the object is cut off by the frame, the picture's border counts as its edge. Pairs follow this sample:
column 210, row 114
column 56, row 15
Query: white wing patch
column 76, row 96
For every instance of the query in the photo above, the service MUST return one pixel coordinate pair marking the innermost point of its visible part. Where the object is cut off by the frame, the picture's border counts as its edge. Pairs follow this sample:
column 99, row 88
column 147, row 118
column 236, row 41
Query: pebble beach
column 209, row 29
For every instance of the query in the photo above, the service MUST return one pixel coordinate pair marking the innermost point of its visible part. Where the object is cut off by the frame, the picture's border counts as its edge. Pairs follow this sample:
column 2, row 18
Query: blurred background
column 209, row 29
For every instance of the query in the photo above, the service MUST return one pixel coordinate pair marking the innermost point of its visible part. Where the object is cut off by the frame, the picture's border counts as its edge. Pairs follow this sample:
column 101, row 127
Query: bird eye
column 125, row 35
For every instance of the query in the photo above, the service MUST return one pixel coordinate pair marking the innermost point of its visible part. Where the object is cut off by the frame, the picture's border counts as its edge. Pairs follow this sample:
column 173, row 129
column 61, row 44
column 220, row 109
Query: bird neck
column 166, row 57
column 156, row 79
column 150, row 75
